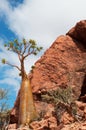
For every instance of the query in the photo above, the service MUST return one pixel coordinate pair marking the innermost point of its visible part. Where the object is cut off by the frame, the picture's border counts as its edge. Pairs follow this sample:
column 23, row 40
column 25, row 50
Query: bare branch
column 13, row 65
column 29, row 53
column 19, row 57
column 25, row 48
column 15, row 50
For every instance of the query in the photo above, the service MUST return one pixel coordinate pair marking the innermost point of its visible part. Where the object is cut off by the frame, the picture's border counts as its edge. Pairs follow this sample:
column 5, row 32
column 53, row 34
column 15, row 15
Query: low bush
column 63, row 100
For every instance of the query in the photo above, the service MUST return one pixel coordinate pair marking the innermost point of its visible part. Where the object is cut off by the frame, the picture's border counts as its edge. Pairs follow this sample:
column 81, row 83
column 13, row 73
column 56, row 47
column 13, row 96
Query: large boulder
column 62, row 65
column 79, row 32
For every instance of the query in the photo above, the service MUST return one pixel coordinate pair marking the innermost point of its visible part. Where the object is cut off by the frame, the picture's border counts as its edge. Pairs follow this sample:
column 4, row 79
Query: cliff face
column 62, row 65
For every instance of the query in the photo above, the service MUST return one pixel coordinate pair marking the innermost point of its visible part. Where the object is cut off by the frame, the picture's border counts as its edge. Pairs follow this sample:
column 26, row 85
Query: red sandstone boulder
column 79, row 32
column 62, row 65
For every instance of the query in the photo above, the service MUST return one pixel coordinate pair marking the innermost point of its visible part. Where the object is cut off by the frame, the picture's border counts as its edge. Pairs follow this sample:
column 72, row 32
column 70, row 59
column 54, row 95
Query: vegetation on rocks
column 63, row 100
column 4, row 112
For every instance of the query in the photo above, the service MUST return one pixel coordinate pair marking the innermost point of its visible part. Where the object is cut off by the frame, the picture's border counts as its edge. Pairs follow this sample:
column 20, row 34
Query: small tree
column 4, row 112
column 27, row 110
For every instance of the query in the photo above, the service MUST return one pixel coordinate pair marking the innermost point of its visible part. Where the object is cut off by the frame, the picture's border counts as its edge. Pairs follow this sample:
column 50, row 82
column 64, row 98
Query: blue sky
column 41, row 20
column 5, row 32
column 7, row 35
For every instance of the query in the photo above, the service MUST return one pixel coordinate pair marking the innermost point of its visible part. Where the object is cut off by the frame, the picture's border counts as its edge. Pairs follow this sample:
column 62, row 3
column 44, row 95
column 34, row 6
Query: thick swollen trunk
column 27, row 110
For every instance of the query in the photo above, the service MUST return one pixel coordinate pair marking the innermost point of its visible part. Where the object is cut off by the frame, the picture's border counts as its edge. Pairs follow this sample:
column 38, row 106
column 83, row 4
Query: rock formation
column 62, row 65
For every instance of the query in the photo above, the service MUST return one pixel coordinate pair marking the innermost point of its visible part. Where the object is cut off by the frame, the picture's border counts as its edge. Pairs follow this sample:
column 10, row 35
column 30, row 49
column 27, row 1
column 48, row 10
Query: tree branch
column 19, row 57
column 13, row 65
column 29, row 53
column 25, row 48
column 16, row 51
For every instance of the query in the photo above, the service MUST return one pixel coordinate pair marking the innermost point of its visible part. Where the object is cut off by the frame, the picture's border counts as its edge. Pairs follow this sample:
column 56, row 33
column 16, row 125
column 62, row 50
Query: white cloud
column 43, row 20
column 4, row 7
column 11, row 82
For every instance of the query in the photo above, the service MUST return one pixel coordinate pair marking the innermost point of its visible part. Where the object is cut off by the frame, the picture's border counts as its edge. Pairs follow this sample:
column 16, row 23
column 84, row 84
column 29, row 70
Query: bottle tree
column 27, row 111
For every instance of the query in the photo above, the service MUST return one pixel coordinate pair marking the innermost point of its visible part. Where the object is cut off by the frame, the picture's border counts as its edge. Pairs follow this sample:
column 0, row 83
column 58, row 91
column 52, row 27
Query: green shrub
column 63, row 100
column 59, row 95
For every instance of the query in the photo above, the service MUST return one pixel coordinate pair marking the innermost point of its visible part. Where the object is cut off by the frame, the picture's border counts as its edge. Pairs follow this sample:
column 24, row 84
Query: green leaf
column 16, row 47
column 33, row 42
column 16, row 41
column 5, row 45
column 24, row 42
column 35, row 53
column 11, row 44
column 8, row 48
column 41, row 48
column 33, row 46
column 3, row 61
column 38, row 49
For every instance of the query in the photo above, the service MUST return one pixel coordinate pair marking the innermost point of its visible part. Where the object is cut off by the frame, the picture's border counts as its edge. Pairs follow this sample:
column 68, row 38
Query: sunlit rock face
column 62, row 65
